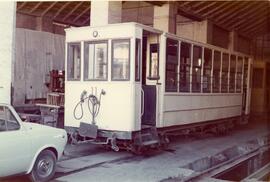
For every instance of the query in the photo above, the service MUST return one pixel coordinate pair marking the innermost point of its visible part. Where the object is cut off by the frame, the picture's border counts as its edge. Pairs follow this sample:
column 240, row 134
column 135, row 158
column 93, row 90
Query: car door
column 14, row 143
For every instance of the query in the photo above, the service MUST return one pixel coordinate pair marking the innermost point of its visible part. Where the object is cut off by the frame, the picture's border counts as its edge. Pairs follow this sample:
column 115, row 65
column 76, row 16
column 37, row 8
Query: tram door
column 150, row 75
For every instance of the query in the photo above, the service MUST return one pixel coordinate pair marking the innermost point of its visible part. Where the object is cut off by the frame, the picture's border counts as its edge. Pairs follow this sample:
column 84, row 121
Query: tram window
column 245, row 73
column 196, row 69
column 171, row 65
column 137, row 60
column 120, row 60
column 267, row 75
column 239, row 74
column 154, row 62
column 224, row 74
column 207, row 67
column 232, row 73
column 185, row 62
column 74, row 61
column 216, row 71
column 95, row 61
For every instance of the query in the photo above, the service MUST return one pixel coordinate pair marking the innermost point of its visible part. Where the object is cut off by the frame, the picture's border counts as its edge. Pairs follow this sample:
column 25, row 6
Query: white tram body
column 150, row 78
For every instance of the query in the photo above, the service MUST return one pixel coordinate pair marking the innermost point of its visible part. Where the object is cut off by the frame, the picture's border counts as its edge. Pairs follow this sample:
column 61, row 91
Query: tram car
column 129, row 85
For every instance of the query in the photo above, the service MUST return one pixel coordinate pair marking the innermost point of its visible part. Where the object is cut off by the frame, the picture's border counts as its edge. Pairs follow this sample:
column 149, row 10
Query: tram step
column 152, row 142
column 149, row 138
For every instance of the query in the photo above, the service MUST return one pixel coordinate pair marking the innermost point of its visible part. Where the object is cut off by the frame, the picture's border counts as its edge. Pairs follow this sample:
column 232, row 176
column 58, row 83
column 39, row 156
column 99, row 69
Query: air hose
column 93, row 104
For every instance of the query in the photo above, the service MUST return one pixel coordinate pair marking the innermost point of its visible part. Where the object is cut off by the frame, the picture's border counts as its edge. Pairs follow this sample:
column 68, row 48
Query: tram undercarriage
column 150, row 137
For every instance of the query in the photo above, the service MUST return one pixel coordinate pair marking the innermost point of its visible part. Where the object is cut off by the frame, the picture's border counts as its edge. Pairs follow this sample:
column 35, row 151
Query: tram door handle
column 142, row 112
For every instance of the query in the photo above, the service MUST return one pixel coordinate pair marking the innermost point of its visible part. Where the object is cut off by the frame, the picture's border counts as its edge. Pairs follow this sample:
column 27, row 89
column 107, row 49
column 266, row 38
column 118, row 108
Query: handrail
column 142, row 112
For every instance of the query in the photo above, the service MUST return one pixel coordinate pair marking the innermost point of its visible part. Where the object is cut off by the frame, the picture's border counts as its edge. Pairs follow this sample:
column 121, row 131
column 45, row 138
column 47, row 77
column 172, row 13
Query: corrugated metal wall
column 36, row 54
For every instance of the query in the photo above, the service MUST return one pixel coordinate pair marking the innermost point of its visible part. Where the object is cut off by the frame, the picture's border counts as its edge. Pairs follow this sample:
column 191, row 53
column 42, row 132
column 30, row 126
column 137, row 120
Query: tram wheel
column 137, row 150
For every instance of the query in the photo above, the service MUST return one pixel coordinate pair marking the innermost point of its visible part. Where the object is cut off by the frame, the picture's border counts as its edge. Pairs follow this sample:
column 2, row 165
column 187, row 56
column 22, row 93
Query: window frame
column 198, row 67
column 68, row 62
column 138, row 59
column 151, row 77
column 239, row 72
column 188, row 90
column 84, row 61
column 209, row 85
column 226, row 71
column 218, row 90
column 232, row 90
column 129, row 53
column 177, row 65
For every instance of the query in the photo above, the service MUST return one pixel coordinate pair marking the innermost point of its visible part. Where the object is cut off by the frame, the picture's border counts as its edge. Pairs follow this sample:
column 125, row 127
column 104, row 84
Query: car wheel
column 44, row 167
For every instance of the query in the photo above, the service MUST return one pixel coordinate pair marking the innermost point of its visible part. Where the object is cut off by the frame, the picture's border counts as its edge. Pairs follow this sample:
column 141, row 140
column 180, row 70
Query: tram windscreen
column 120, row 60
column 95, row 61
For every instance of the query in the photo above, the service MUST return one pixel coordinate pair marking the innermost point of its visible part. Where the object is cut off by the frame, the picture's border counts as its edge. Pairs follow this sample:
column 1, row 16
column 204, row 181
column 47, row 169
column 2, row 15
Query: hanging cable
column 93, row 104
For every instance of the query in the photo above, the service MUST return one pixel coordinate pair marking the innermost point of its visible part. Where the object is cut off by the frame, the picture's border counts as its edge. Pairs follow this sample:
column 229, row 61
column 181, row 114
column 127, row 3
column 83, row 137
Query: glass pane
column 246, row 73
column 154, row 61
column 185, row 61
column 95, row 63
column 2, row 119
column 232, row 73
column 137, row 60
column 120, row 60
column 196, row 69
column 207, row 67
column 216, row 71
column 225, row 69
column 12, row 123
column 74, row 61
column 171, row 65
column 7, row 120
column 239, row 74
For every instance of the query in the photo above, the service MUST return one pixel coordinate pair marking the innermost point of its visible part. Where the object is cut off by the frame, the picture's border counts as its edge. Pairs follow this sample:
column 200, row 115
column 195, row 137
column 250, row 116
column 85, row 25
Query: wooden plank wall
column 7, row 24
column 36, row 54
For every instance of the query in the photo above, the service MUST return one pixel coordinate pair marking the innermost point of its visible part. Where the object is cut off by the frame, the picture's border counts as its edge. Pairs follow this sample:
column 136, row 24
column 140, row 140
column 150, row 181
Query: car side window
column 8, row 122
column 3, row 126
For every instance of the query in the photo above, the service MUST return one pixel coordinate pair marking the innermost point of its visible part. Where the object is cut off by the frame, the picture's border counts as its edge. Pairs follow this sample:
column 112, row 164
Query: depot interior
column 32, row 45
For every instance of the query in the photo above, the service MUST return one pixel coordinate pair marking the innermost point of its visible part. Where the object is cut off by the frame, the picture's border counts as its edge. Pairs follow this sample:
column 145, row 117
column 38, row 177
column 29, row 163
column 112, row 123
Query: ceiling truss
column 244, row 16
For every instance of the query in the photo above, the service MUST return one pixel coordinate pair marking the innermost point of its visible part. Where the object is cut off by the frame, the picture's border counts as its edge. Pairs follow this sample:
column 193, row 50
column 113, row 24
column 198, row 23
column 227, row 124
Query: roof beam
column 234, row 15
column 255, row 31
column 254, row 25
column 48, row 8
column 156, row 3
column 61, row 9
column 224, row 16
column 74, row 9
column 86, row 20
column 209, row 4
column 183, row 3
column 254, row 19
column 245, row 16
column 35, row 7
column 21, row 5
column 82, row 13
column 188, row 14
column 217, row 7
column 222, row 10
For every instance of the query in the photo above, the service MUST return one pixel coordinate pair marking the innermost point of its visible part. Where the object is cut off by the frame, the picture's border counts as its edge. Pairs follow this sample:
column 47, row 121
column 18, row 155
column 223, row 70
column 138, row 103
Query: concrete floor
column 86, row 162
